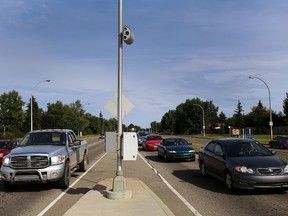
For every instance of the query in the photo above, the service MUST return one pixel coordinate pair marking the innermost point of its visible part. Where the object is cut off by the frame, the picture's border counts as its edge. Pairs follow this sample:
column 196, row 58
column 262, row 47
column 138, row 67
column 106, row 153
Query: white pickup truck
column 43, row 156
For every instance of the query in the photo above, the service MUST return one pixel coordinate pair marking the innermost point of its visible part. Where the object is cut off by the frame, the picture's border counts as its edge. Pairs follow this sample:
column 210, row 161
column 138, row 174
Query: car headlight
column 191, row 150
column 172, row 151
column 57, row 159
column 243, row 169
column 6, row 161
column 1, row 155
column 286, row 169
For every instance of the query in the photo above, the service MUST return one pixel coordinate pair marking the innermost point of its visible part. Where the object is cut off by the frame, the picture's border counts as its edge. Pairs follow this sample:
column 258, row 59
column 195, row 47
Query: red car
column 151, row 142
column 5, row 147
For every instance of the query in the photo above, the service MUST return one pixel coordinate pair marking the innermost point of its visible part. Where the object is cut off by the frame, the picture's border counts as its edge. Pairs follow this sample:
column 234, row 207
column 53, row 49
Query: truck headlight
column 57, row 159
column 6, row 161
column 286, row 169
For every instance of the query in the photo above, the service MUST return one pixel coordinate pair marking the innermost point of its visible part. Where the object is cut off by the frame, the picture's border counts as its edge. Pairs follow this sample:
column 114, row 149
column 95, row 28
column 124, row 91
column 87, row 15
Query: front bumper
column 152, row 147
column 181, row 156
column 51, row 173
column 257, row 181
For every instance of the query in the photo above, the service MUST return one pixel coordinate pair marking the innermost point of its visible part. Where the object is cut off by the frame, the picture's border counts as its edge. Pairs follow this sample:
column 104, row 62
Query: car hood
column 179, row 148
column 153, row 141
column 258, row 161
column 4, row 150
column 38, row 149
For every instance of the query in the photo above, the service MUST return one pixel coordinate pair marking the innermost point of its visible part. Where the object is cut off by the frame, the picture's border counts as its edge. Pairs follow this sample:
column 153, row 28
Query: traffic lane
column 85, row 184
column 30, row 199
column 210, row 197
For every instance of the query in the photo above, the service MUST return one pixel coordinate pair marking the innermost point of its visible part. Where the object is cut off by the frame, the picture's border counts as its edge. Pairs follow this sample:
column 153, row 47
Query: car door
column 161, row 147
column 208, row 157
column 218, row 161
column 73, row 150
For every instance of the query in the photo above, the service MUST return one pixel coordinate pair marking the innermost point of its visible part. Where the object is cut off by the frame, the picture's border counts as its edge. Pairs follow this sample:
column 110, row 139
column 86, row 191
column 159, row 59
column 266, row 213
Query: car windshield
column 142, row 133
column 171, row 142
column 3, row 144
column 154, row 138
column 246, row 149
column 44, row 138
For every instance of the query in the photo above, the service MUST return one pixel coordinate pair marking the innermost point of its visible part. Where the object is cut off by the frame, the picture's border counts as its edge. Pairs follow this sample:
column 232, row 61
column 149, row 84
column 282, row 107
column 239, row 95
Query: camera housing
column 127, row 35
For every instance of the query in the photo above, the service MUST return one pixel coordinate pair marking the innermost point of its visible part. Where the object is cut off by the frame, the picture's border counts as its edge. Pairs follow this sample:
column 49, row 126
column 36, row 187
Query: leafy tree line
column 187, row 118
column 16, row 121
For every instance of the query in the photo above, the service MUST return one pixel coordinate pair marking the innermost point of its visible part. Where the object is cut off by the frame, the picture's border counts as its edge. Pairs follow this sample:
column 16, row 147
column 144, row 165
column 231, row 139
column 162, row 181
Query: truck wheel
column 64, row 181
column 8, row 185
column 84, row 163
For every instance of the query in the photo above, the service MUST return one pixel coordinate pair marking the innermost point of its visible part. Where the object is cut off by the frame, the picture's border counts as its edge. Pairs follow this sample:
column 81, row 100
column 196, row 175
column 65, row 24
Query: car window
column 3, row 144
column 169, row 143
column 246, row 149
column 210, row 147
column 218, row 149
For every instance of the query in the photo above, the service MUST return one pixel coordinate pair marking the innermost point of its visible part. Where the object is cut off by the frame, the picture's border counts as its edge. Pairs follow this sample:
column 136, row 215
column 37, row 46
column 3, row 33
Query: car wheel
column 64, row 181
column 8, row 185
column 165, row 157
column 203, row 169
column 228, row 181
column 84, row 163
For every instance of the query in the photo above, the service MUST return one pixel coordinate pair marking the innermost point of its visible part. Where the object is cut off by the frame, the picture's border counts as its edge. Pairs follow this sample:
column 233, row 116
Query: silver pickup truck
column 43, row 156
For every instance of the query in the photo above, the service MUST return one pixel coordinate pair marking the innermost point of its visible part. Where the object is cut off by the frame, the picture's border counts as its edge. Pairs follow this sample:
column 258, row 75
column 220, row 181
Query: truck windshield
column 44, row 138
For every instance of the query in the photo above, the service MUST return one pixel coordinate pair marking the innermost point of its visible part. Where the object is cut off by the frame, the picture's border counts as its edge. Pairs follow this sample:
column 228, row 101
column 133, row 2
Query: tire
column 166, row 157
column 203, row 169
column 8, row 186
column 64, row 181
column 84, row 163
column 229, row 181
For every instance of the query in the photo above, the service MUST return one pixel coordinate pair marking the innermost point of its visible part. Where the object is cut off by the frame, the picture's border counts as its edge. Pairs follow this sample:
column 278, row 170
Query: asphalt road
column 178, row 184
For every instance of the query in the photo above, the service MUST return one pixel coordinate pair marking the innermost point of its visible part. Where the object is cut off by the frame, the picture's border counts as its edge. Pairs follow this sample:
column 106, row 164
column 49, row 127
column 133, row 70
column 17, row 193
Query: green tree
column 53, row 117
column 285, row 105
column 11, row 113
column 238, row 119
column 37, row 116
column 168, row 122
column 258, row 118
column 222, row 121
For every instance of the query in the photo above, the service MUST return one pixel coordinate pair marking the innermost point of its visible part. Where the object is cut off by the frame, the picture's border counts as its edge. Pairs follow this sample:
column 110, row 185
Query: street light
column 270, row 110
column 31, row 107
column 203, row 120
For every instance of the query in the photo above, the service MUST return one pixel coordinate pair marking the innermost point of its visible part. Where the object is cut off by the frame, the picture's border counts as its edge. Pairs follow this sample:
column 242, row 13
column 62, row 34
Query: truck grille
column 30, row 161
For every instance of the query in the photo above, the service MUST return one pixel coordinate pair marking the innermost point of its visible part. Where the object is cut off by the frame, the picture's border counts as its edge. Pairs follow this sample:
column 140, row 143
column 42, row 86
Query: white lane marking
column 64, row 192
column 195, row 212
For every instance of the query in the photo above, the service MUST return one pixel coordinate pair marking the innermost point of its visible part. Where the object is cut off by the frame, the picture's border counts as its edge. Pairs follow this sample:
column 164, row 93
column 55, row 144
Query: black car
column 176, row 148
column 279, row 142
column 243, row 163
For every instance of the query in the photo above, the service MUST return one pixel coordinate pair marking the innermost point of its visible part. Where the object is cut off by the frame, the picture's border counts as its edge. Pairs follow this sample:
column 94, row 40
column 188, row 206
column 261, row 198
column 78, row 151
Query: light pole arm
column 270, row 110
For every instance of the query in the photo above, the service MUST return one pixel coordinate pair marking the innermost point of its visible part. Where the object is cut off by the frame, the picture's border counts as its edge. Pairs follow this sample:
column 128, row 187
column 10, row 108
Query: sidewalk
column 143, row 201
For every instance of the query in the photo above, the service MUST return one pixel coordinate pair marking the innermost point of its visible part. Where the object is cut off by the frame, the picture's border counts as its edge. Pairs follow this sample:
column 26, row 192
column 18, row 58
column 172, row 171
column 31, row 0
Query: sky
column 183, row 49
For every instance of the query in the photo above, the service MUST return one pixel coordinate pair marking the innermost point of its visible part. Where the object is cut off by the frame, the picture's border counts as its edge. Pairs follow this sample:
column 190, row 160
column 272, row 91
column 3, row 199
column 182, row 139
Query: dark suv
column 279, row 142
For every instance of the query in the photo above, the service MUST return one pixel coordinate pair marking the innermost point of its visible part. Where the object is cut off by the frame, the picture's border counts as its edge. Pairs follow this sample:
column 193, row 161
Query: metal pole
column 203, row 120
column 270, row 110
column 31, row 106
column 119, row 104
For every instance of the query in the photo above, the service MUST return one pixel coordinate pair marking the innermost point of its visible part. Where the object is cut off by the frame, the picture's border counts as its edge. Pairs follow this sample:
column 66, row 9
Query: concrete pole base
column 119, row 189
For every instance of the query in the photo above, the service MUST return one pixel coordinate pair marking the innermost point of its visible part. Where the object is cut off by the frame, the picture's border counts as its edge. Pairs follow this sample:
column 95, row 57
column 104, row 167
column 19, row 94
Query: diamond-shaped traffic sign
column 111, row 106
